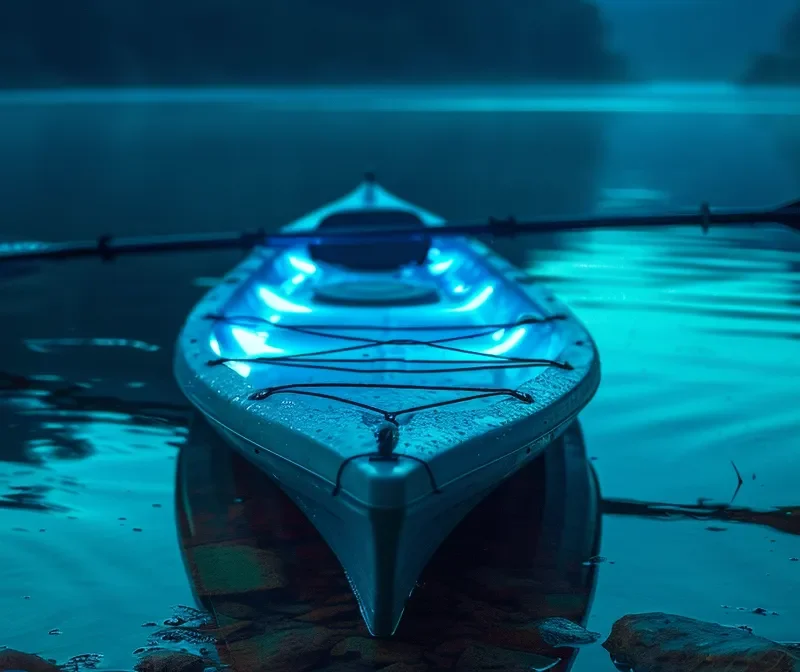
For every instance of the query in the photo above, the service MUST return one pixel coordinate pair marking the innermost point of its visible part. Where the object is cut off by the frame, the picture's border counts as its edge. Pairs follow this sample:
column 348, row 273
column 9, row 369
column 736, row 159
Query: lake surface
column 698, row 334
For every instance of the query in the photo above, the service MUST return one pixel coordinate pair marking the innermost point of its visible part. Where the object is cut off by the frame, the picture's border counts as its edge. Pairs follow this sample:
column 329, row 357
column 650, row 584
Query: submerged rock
column 10, row 659
column 480, row 657
column 559, row 632
column 292, row 650
column 657, row 642
column 171, row 661
column 545, row 634
column 380, row 652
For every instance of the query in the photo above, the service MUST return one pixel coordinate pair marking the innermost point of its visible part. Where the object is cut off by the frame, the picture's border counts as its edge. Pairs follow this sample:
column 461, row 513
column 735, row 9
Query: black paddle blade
column 789, row 215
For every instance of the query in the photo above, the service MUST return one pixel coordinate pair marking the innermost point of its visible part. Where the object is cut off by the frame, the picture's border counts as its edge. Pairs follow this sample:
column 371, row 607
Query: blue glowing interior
column 282, row 292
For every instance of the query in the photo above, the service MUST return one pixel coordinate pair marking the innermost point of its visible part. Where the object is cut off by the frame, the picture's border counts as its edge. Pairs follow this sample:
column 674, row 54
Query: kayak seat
column 372, row 256
column 382, row 293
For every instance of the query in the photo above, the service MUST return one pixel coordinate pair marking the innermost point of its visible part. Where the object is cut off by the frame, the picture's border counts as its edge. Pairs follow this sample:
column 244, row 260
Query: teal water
column 698, row 337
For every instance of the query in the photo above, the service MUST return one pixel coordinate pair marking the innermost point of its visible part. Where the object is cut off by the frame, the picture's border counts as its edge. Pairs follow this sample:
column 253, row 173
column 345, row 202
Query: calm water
column 698, row 336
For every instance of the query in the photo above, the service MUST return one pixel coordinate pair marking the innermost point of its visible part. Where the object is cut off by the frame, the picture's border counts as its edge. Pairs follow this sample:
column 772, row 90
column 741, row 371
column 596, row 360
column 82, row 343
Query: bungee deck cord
column 387, row 435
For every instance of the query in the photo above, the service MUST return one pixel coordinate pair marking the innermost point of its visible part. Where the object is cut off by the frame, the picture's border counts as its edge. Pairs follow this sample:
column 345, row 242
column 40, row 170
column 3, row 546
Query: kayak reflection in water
column 281, row 602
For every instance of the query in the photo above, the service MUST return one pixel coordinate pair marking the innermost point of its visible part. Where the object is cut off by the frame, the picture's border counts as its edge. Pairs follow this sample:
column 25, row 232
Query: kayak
column 386, row 387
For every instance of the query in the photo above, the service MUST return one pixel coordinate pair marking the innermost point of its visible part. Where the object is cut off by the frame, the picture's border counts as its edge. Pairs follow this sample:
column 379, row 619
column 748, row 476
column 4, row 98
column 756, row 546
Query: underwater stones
column 658, row 642
column 480, row 657
column 325, row 614
column 379, row 652
column 171, row 661
column 559, row 632
column 236, row 568
column 295, row 650
column 406, row 667
column 523, row 637
column 545, row 634
column 452, row 647
column 10, row 659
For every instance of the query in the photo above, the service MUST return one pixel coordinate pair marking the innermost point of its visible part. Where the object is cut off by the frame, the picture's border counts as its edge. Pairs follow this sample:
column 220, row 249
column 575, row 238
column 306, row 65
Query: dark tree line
column 249, row 42
column 783, row 66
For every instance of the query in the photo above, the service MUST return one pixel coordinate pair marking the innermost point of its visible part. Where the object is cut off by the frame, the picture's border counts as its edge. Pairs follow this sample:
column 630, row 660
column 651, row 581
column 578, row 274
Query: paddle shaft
column 107, row 247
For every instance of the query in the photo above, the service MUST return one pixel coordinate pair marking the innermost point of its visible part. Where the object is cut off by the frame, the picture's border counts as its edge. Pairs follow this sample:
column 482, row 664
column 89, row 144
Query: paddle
column 107, row 247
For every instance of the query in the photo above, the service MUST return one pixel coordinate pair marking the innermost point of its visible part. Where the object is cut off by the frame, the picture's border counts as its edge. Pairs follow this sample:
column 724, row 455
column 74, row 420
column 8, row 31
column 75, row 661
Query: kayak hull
column 531, row 563
column 383, row 549
column 385, row 514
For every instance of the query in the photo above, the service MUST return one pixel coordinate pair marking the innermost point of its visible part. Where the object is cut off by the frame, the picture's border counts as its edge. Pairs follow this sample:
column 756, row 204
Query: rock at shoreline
column 10, row 659
column 657, row 642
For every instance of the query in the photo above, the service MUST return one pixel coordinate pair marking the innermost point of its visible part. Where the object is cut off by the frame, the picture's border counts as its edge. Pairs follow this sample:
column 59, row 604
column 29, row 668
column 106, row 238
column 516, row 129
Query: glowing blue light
column 302, row 265
column 440, row 266
column 242, row 368
column 497, row 335
column 280, row 304
column 510, row 342
column 297, row 279
column 274, row 319
column 254, row 343
column 475, row 302
column 459, row 289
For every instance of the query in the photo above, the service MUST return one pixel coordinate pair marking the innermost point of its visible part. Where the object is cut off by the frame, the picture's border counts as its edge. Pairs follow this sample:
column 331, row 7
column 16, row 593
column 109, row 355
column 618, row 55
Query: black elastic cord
column 390, row 416
column 314, row 360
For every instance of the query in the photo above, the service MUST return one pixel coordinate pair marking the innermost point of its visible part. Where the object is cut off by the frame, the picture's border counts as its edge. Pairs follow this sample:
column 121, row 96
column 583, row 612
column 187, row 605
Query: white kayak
column 388, row 387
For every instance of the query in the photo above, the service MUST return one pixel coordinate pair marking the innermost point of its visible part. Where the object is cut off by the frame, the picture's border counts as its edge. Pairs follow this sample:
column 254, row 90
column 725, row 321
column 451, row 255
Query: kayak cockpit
column 299, row 283
column 358, row 255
